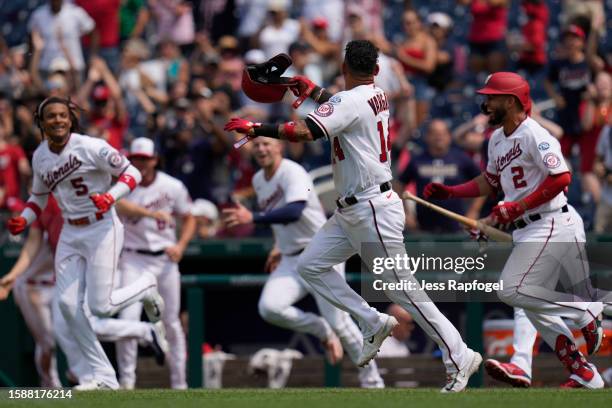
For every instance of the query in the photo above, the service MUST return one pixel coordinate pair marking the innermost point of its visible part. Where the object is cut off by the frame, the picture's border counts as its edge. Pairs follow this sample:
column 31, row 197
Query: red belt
column 85, row 220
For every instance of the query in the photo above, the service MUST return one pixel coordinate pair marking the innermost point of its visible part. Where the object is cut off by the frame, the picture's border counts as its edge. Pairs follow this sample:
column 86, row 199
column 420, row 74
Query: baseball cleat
column 457, row 381
column 571, row 383
column 159, row 344
column 91, row 386
column 580, row 369
column 333, row 349
column 153, row 305
column 508, row 372
column 593, row 335
column 372, row 344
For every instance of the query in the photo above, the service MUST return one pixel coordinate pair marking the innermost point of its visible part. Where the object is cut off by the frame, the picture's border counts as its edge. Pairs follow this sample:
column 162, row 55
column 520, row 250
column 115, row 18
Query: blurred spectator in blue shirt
column 440, row 163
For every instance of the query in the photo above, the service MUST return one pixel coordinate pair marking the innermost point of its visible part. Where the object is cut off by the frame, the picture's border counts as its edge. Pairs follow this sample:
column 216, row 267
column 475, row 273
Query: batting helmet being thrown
column 508, row 83
column 264, row 83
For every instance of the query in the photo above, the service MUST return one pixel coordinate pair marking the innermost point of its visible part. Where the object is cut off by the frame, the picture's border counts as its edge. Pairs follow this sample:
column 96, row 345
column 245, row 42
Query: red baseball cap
column 573, row 29
column 320, row 23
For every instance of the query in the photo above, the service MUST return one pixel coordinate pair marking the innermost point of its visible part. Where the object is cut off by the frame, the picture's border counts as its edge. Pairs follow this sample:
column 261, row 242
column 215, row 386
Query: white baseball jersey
column 290, row 183
column 165, row 194
column 356, row 122
column 85, row 166
column 523, row 160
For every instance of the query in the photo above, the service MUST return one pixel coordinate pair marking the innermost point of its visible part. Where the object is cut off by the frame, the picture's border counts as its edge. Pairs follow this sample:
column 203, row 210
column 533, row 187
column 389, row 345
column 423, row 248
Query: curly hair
column 361, row 57
column 73, row 109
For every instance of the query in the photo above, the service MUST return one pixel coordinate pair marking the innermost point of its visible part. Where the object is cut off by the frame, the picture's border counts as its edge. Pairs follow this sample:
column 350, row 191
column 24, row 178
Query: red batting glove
column 103, row 202
column 16, row 225
column 302, row 88
column 507, row 212
column 240, row 125
column 437, row 191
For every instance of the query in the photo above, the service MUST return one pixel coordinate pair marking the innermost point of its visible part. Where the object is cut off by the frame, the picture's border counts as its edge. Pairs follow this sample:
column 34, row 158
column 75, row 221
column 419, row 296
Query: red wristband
column 129, row 180
column 34, row 207
column 289, row 129
column 469, row 189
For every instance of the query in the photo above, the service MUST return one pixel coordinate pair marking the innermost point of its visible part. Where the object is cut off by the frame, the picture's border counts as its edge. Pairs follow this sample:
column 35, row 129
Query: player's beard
column 496, row 117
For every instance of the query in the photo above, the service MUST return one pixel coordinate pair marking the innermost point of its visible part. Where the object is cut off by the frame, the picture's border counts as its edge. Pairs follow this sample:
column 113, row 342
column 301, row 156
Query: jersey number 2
column 517, row 177
column 385, row 142
column 81, row 189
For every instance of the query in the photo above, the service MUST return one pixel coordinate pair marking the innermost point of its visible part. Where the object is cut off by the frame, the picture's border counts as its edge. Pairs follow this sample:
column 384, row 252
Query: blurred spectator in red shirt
column 487, row 35
column 104, row 39
column 14, row 167
column 595, row 113
column 108, row 117
column 533, row 48
column 417, row 53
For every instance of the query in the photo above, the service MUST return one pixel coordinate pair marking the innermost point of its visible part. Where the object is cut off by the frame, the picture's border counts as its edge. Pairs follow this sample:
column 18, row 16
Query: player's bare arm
column 28, row 252
column 131, row 210
column 188, row 228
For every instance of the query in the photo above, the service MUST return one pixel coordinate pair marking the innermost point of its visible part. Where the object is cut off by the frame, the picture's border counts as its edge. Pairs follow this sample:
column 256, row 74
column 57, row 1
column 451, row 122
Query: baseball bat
column 242, row 142
column 488, row 230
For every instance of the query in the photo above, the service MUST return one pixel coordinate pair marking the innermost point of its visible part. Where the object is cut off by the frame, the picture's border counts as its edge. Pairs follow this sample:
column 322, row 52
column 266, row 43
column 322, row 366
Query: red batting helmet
column 263, row 82
column 508, row 83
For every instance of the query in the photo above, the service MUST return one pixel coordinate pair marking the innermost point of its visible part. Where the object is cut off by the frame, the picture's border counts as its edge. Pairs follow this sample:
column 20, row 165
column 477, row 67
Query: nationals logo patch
column 552, row 161
column 325, row 110
column 543, row 146
column 115, row 160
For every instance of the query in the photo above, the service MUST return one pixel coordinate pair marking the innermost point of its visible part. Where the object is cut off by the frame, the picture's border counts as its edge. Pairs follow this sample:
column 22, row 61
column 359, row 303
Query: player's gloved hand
column 506, row 212
column 240, row 125
column 302, row 89
column 437, row 191
column 103, row 202
column 16, row 225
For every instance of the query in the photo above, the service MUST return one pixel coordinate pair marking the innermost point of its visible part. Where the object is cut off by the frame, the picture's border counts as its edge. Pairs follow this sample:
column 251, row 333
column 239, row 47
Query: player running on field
column 525, row 162
column 286, row 196
column 151, row 247
column 32, row 279
column 370, row 215
column 78, row 169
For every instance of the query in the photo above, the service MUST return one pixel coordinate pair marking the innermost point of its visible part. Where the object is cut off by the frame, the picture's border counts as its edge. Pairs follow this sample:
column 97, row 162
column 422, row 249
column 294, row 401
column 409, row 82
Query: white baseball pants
column 133, row 266
column 285, row 287
column 86, row 263
column 377, row 221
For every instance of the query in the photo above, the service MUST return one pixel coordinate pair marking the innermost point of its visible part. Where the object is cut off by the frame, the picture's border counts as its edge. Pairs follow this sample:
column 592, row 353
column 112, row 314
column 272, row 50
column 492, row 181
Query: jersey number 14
column 385, row 145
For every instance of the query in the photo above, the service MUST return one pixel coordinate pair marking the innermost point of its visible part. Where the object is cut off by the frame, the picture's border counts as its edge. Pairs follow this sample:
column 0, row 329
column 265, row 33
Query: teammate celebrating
column 526, row 163
column 285, row 193
column 151, row 247
column 33, row 279
column 78, row 170
column 370, row 216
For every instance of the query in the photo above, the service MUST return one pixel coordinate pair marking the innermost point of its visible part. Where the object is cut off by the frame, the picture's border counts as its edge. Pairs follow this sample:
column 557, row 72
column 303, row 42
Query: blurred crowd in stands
column 171, row 70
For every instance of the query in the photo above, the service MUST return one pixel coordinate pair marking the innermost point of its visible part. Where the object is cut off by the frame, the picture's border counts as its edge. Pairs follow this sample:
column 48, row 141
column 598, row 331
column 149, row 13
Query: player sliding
column 526, row 163
column 286, row 195
column 370, row 216
column 78, row 169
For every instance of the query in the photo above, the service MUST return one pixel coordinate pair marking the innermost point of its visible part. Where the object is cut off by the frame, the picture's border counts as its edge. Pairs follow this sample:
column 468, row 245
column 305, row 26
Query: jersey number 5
column 81, row 189
column 517, row 177
column 385, row 142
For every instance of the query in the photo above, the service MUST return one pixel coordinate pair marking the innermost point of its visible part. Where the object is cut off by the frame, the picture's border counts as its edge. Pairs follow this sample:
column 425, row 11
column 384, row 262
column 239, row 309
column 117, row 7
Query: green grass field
column 332, row 398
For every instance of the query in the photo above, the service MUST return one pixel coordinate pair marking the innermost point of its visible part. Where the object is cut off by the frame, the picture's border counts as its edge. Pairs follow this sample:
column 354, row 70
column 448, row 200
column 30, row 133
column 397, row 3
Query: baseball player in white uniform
column 151, row 247
column 526, row 163
column 33, row 279
column 289, row 203
column 370, row 216
column 78, row 169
